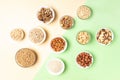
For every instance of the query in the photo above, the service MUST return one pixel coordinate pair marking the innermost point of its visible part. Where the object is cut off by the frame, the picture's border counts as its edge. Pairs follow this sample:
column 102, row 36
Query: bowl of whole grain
column 84, row 59
column 84, row 12
column 37, row 35
column 26, row 57
column 58, row 44
column 17, row 34
column 46, row 14
column 104, row 36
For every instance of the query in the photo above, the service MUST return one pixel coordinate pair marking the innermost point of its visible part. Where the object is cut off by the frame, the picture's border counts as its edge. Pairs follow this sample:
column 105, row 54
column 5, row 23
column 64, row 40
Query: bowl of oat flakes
column 84, row 12
column 17, row 34
column 45, row 14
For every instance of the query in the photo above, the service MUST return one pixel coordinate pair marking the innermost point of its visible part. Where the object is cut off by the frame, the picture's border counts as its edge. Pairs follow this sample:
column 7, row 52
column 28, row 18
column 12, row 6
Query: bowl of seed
column 84, row 59
column 17, row 34
column 83, row 37
column 66, row 22
column 58, row 44
column 55, row 66
column 104, row 36
column 84, row 12
column 37, row 35
column 26, row 57
column 46, row 14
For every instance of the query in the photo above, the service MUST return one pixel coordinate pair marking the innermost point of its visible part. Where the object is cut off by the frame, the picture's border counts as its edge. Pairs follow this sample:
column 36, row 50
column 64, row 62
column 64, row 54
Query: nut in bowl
column 84, row 59
column 37, row 35
column 46, row 14
column 83, row 37
column 104, row 36
column 66, row 22
column 55, row 66
column 58, row 44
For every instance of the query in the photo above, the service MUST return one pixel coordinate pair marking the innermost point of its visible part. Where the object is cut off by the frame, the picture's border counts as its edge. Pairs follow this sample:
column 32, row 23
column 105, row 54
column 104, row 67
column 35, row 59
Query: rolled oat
column 84, row 12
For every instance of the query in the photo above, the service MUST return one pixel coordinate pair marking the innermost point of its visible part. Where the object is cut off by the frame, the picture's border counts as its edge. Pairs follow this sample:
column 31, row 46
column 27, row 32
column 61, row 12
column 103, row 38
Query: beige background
column 22, row 14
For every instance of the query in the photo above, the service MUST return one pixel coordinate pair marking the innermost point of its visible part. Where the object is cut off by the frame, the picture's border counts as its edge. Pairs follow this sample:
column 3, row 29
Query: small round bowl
column 61, row 63
column 61, row 50
column 84, row 12
column 86, row 66
column 53, row 13
column 111, row 33
column 44, row 38
column 64, row 17
column 88, row 35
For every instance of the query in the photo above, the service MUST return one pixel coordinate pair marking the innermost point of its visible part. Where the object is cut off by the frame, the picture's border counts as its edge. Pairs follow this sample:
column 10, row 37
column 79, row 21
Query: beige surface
column 22, row 14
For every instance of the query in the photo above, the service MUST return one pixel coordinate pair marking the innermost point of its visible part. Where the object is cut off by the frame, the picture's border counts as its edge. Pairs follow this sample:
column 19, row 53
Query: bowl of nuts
column 83, row 37
column 46, row 14
column 84, row 59
column 104, row 36
column 58, row 44
column 66, row 22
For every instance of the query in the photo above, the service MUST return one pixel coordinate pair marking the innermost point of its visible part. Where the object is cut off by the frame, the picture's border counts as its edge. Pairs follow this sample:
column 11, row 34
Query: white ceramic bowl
column 49, row 63
column 53, row 13
column 107, row 29
column 44, row 38
column 61, row 50
column 72, row 21
column 88, row 35
column 86, row 66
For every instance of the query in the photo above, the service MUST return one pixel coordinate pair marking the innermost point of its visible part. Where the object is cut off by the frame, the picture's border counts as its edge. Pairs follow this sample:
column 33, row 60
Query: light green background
column 106, row 66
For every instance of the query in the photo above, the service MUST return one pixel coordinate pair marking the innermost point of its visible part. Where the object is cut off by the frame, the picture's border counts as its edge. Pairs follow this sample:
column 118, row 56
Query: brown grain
column 84, row 12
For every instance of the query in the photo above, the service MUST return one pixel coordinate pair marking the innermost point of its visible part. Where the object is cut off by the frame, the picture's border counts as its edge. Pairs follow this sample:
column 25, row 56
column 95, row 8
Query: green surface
column 106, row 66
